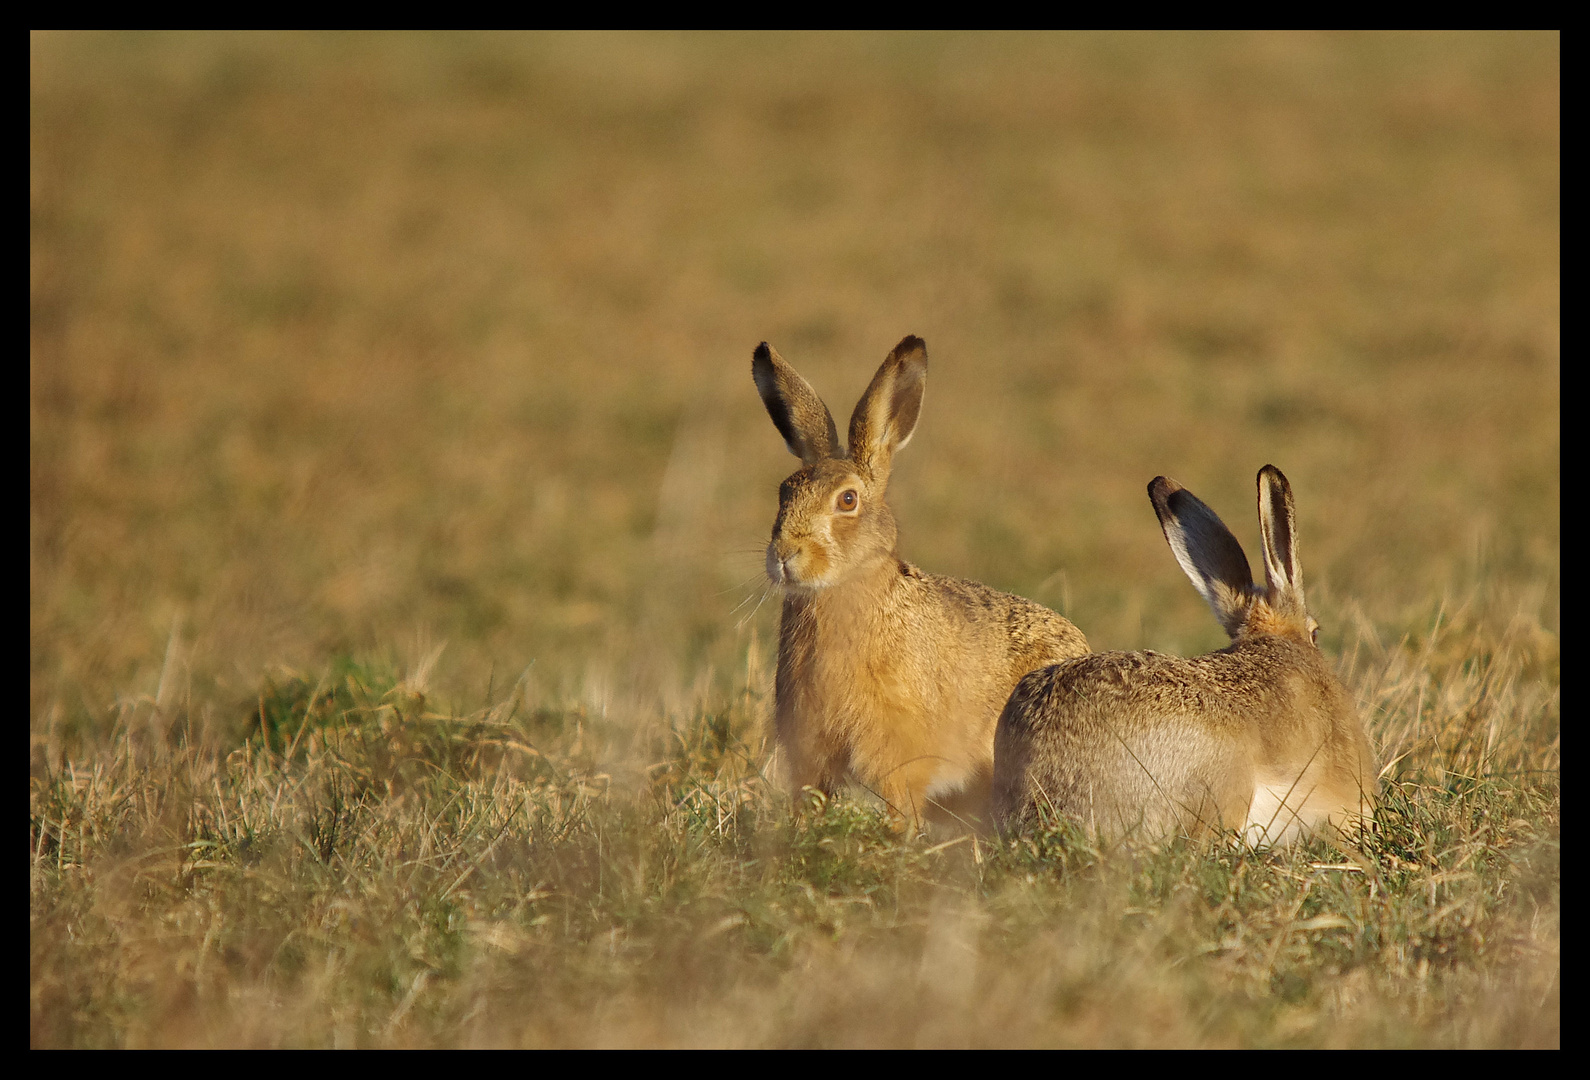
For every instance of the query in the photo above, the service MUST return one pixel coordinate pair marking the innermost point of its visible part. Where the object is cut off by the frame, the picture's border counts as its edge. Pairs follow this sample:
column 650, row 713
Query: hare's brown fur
column 887, row 676
column 1260, row 736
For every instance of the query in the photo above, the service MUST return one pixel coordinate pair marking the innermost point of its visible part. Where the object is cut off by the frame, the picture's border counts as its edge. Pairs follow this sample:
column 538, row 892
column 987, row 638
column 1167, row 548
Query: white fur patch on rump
column 1279, row 814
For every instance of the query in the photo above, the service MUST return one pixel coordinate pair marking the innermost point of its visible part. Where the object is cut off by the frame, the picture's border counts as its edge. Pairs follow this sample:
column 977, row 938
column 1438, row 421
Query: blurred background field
column 349, row 348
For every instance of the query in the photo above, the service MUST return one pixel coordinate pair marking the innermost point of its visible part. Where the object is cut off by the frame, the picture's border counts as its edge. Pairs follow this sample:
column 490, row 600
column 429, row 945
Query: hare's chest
column 876, row 691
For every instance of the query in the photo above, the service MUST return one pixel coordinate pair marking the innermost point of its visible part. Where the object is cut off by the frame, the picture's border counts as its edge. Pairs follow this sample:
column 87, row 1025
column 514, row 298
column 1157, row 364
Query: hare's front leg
column 809, row 760
column 905, row 790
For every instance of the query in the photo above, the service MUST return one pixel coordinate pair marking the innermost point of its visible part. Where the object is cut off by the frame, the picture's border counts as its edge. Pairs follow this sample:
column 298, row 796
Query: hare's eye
column 1313, row 631
column 847, row 499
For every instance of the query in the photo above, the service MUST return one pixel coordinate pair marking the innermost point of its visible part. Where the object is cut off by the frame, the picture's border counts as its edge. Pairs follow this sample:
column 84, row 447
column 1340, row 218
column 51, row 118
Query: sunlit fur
column 888, row 677
column 1259, row 737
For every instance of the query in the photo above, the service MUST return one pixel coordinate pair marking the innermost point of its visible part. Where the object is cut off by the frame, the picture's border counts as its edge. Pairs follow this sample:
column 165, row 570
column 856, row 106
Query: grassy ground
column 397, row 489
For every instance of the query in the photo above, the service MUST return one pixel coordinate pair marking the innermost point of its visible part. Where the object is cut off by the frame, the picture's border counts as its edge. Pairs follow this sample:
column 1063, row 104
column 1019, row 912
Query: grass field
column 398, row 663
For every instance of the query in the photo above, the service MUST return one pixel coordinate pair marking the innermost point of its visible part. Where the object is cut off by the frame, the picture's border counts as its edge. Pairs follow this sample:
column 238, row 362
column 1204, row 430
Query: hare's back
column 1039, row 636
column 1030, row 634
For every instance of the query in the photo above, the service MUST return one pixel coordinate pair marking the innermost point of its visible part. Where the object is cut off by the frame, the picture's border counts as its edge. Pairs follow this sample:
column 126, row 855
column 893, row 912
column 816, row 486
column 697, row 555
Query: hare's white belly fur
column 951, row 779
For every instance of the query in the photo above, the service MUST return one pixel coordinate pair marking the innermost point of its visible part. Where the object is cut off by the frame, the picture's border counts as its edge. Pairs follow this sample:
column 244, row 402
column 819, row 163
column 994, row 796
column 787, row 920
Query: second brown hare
column 1259, row 737
column 887, row 676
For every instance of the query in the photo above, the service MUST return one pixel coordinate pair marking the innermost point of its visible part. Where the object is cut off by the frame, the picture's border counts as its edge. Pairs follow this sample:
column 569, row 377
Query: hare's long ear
column 1206, row 550
column 797, row 411
column 886, row 416
column 1278, row 528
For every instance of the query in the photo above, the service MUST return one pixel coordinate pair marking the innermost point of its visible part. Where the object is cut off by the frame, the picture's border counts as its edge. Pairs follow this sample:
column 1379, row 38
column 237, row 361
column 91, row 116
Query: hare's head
column 1213, row 559
column 832, row 518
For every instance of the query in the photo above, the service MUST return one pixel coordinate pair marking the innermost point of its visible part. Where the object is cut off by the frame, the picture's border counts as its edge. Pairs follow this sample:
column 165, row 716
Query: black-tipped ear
column 798, row 413
column 1283, row 572
column 886, row 416
column 1207, row 552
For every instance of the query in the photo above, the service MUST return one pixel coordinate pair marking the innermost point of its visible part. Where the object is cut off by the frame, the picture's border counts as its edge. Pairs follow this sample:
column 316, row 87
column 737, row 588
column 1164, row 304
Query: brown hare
column 1259, row 737
column 887, row 676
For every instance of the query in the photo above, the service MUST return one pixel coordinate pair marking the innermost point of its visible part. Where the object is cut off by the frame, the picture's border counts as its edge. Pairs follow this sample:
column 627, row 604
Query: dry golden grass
column 366, row 872
column 346, row 348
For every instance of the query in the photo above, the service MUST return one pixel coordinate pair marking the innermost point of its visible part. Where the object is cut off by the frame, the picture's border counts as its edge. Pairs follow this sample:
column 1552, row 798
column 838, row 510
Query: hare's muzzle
column 776, row 572
column 793, row 566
